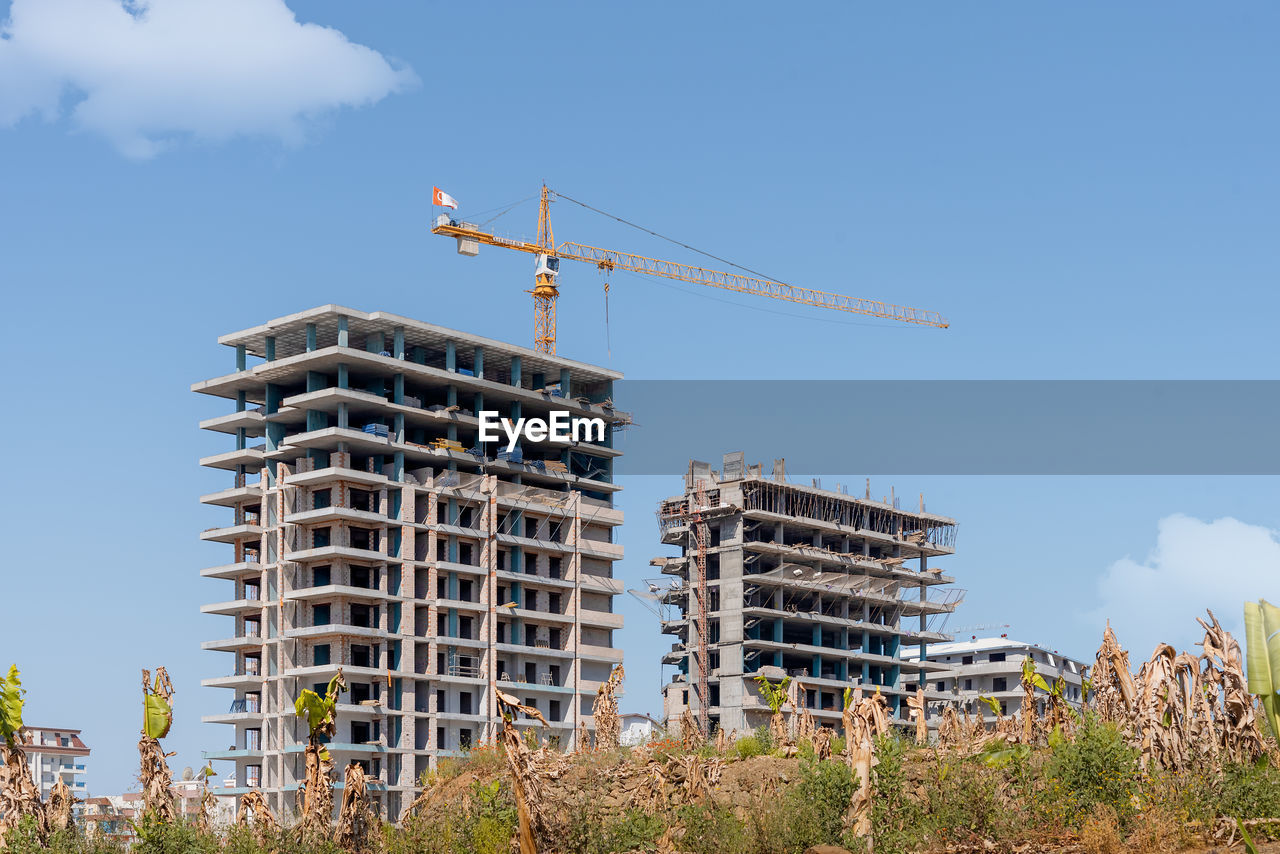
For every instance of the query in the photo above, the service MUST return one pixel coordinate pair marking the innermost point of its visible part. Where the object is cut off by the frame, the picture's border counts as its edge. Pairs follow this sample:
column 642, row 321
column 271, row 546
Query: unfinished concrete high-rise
column 371, row 531
column 777, row 578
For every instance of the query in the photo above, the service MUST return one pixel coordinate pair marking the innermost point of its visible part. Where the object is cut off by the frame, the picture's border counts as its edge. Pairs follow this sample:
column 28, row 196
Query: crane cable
column 664, row 237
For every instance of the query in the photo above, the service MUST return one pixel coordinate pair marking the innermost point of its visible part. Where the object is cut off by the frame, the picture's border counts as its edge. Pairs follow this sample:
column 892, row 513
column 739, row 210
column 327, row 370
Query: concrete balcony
column 600, row 549
column 250, row 420
column 336, row 553
column 234, row 718
column 340, row 591
column 234, row 607
column 234, row 680
column 230, row 460
column 339, row 514
column 234, row 754
column 600, row 618
column 521, row 688
column 601, row 584
column 599, row 653
column 232, row 533
column 233, row 570
column 333, row 474
column 332, row 629
column 234, row 497
column 233, row 644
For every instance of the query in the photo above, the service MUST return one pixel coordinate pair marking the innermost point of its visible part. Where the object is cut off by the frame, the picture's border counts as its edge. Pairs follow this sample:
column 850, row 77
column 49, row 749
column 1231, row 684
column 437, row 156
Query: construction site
column 779, row 580
column 371, row 532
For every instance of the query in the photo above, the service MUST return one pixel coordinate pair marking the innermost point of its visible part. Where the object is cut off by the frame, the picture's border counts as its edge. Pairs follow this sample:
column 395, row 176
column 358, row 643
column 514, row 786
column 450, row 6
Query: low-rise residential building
column 992, row 667
column 637, row 728
column 55, row 753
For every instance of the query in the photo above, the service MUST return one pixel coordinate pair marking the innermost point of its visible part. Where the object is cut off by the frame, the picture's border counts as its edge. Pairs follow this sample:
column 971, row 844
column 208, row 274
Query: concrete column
column 271, row 348
column 450, row 357
column 478, row 363
column 375, row 342
column 240, row 357
column 564, row 382
column 311, row 337
column 242, row 401
column 343, row 381
column 342, row 415
column 397, row 342
column 515, row 370
column 397, row 390
column 344, row 337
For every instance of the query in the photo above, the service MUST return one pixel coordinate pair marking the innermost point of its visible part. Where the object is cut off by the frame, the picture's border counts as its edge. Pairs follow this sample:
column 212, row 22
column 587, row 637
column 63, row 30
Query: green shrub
column 1249, row 791
column 818, row 801
column 177, row 837
column 1096, row 768
column 895, row 818
column 748, row 746
column 633, row 830
column 712, row 829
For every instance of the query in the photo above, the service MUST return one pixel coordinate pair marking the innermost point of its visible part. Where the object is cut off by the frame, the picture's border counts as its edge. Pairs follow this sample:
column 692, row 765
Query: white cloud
column 144, row 73
column 1195, row 565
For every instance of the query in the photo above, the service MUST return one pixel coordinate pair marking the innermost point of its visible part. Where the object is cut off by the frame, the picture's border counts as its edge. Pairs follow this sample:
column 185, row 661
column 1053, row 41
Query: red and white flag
column 443, row 199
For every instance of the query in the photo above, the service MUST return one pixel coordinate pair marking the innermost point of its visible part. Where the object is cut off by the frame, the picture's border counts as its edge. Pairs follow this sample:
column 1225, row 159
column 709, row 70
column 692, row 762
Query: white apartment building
column 992, row 667
column 55, row 753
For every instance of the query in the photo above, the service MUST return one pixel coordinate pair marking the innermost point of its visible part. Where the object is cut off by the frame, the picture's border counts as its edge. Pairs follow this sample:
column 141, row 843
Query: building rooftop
column 982, row 645
column 290, row 332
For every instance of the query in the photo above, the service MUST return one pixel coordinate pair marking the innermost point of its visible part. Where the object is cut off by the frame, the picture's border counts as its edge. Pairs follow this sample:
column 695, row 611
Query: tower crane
column 547, row 270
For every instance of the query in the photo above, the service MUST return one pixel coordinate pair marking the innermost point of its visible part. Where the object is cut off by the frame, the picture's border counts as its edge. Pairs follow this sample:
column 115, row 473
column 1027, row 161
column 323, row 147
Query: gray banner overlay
column 1131, row 427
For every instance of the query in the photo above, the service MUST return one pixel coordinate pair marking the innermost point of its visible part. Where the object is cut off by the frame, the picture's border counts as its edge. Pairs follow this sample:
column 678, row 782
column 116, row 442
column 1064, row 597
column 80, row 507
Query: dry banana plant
column 531, row 801
column 605, row 711
column 356, row 817
column 315, row 797
column 59, row 807
column 1240, row 735
column 916, row 706
column 256, row 813
column 153, row 771
column 19, row 796
column 865, row 719
column 1181, row 711
column 802, row 725
column 1030, row 717
column 1112, row 686
column 690, row 732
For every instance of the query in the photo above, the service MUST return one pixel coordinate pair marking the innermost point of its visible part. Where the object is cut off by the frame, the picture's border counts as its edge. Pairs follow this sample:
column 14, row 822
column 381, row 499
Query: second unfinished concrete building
column 776, row 577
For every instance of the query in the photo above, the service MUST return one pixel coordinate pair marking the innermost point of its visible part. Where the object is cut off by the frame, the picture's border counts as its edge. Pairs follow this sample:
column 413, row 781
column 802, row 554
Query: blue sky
column 1085, row 192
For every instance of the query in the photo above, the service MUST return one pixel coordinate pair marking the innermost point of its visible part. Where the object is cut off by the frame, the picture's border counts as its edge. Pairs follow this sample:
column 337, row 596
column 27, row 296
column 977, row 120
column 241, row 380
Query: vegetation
column 1173, row 755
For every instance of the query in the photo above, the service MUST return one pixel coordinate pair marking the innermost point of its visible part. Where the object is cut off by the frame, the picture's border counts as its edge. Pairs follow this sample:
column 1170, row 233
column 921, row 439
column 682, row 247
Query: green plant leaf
column 1262, row 635
column 11, row 705
column 1249, row 847
column 993, row 704
column 157, row 716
